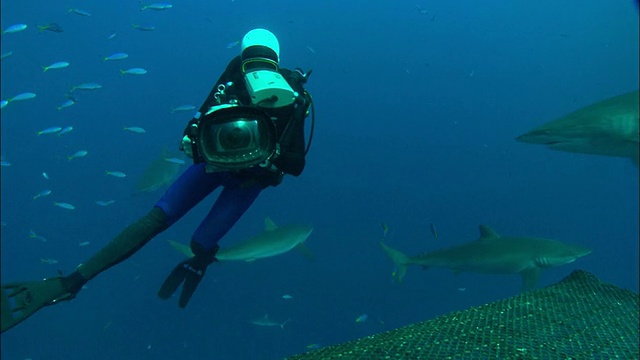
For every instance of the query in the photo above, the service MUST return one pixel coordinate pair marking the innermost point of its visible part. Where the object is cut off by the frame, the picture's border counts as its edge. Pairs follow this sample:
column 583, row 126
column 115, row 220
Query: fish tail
column 400, row 260
column 44, row 69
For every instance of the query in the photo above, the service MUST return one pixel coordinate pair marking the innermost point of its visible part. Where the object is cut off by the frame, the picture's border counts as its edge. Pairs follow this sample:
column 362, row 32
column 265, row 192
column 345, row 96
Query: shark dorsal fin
column 487, row 233
column 269, row 224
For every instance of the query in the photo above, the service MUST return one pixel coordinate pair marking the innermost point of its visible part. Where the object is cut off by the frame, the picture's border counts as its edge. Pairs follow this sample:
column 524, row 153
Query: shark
column 158, row 174
column 494, row 254
column 266, row 321
column 272, row 241
column 608, row 127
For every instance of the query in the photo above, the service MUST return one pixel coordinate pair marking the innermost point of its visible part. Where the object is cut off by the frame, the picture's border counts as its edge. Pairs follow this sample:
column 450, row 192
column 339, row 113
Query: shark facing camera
column 235, row 137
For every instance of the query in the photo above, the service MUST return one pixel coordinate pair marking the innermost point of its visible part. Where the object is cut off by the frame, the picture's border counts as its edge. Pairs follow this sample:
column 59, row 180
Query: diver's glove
column 21, row 300
column 190, row 271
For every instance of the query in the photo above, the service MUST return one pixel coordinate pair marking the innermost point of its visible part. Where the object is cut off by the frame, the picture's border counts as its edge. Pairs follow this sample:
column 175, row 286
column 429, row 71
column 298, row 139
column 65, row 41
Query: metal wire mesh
column 577, row 318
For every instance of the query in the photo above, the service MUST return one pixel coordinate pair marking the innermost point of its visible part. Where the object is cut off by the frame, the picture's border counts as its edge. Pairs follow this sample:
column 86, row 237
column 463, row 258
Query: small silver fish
column 175, row 161
column 50, row 130
column 23, row 96
column 14, row 28
column 434, row 232
column 133, row 71
column 232, row 44
column 64, row 205
column 143, row 27
column 105, row 203
column 182, row 108
column 66, row 130
column 49, row 261
column 157, row 7
column 116, row 56
column 134, row 129
column 86, row 86
column 33, row 235
column 42, row 194
column 66, row 104
column 118, row 174
column 56, row 65
column 53, row 27
column 78, row 12
column 78, row 154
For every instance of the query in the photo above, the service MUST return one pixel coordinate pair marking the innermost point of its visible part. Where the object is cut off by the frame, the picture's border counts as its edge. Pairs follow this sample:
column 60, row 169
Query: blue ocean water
column 418, row 105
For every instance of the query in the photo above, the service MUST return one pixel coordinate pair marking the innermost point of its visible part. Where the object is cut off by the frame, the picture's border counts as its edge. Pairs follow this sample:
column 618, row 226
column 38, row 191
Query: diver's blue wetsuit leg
column 188, row 190
column 234, row 200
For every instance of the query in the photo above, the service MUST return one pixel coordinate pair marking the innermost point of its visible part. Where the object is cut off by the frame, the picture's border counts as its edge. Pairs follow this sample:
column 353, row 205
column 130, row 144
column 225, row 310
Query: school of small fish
column 55, row 127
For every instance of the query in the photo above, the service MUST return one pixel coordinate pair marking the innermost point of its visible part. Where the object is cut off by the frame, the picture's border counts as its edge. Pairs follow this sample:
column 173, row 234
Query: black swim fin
column 185, row 272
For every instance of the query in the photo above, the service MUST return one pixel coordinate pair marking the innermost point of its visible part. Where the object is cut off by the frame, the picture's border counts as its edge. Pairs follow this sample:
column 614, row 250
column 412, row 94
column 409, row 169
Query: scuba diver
column 246, row 136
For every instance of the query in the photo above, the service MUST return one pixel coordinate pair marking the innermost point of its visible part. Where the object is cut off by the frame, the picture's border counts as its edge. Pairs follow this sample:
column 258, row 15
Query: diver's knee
column 157, row 216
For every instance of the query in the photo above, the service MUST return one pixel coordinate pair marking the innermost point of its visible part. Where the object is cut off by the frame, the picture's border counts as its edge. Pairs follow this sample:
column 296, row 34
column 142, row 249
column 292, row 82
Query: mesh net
column 577, row 318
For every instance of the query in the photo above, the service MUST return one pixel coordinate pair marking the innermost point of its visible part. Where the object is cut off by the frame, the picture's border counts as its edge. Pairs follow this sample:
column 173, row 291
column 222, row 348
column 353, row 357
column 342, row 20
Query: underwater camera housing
column 233, row 137
column 266, row 86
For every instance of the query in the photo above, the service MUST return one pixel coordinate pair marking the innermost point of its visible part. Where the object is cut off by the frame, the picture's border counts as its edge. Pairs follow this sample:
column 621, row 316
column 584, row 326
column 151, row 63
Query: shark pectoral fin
column 399, row 259
column 305, row 251
column 401, row 271
column 530, row 278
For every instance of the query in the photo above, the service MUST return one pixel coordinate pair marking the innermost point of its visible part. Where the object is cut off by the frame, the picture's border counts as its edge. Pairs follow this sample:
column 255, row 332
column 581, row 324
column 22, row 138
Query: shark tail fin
column 282, row 325
column 399, row 259
column 182, row 248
